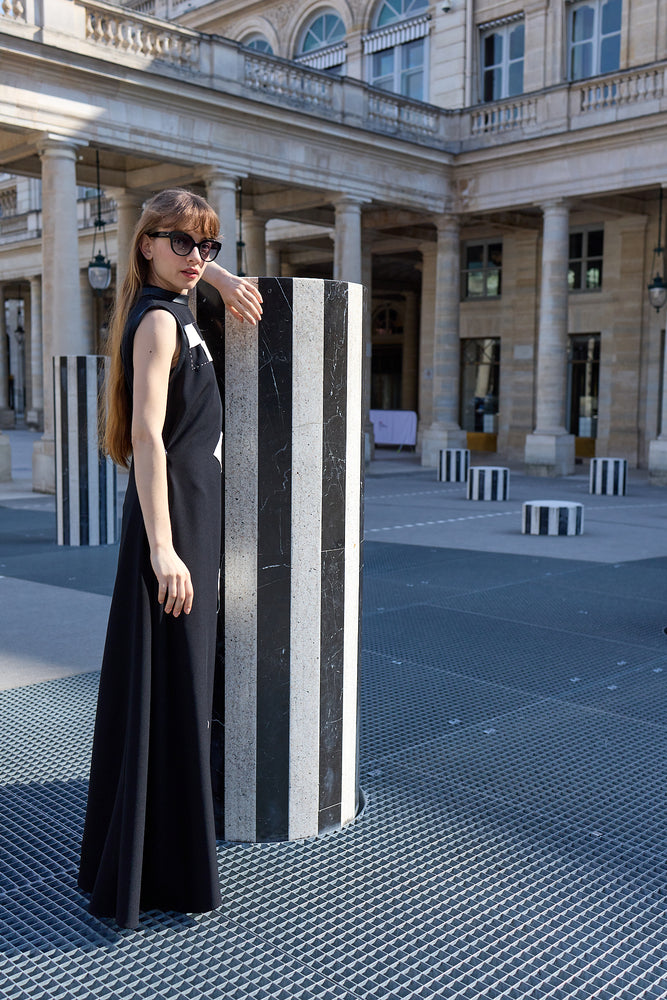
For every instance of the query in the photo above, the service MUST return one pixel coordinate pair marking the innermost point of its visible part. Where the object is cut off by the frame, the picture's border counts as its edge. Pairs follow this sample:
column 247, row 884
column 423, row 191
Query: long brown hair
column 171, row 209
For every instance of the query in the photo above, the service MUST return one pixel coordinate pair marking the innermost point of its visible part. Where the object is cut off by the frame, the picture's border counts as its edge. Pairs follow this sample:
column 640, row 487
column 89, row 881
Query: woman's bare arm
column 240, row 296
column 155, row 344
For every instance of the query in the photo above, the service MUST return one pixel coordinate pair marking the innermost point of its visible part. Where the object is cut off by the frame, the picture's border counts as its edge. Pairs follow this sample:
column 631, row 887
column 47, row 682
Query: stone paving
column 514, row 729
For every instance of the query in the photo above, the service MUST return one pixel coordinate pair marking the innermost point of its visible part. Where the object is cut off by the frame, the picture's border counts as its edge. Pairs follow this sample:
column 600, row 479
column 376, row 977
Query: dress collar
column 162, row 293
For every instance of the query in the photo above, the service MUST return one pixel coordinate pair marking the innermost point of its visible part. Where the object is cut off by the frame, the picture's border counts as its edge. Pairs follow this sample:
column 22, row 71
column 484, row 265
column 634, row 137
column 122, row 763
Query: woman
column 149, row 835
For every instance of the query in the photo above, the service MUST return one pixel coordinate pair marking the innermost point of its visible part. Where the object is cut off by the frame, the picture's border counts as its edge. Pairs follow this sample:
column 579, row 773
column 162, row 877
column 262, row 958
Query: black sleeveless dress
column 149, row 835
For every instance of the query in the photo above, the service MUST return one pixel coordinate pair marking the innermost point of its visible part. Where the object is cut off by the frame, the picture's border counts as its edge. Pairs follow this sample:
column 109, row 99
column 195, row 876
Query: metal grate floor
column 514, row 843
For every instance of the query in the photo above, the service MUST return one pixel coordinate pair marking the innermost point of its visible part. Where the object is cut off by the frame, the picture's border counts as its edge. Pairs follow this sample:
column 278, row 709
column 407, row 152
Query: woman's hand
column 175, row 590
column 240, row 296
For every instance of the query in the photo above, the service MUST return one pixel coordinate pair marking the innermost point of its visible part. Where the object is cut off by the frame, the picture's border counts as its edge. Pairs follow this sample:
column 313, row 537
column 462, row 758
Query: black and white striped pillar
column 86, row 505
column 552, row 517
column 453, row 465
column 488, row 482
column 608, row 476
column 292, row 561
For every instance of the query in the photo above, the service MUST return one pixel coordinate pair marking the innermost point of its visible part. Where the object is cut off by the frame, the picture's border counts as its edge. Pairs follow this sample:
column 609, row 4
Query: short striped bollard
column 608, row 476
column 453, row 465
column 488, row 482
column 552, row 517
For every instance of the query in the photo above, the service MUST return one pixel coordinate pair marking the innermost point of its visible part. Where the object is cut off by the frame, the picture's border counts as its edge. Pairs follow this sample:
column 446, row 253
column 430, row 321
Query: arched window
column 398, row 10
column 396, row 49
column 322, row 43
column 258, row 43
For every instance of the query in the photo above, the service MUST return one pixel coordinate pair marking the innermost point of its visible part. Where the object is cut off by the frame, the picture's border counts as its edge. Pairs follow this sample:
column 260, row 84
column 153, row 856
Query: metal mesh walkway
column 514, row 843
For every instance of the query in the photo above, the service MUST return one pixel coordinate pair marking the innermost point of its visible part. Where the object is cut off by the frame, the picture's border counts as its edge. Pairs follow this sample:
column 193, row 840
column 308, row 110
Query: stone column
column 221, row 195
column 35, row 415
column 61, row 312
column 128, row 210
column 272, row 261
column 254, row 237
column 6, row 415
column 367, row 347
column 347, row 249
column 444, row 431
column 657, row 449
column 409, row 368
column 550, row 449
column 426, row 339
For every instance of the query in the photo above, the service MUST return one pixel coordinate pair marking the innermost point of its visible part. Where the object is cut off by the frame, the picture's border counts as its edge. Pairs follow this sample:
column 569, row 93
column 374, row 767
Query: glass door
column 583, row 380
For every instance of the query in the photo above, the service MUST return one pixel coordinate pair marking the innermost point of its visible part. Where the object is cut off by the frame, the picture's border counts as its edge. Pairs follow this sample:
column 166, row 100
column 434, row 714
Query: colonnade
column 56, row 326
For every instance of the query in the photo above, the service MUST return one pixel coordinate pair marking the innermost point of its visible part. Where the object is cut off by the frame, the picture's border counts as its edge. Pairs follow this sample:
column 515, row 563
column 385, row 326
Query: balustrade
column 519, row 113
column 139, row 36
column 288, row 82
column 14, row 9
column 622, row 88
column 396, row 114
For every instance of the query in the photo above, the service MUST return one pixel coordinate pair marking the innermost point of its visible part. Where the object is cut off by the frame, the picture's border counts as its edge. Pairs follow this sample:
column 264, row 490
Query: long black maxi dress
column 149, row 834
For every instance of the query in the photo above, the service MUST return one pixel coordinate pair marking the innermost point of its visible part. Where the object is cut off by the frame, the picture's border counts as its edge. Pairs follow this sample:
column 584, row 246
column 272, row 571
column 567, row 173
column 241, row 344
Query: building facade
column 491, row 171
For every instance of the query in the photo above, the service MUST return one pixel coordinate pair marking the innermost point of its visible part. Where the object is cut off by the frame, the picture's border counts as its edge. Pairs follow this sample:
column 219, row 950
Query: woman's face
column 170, row 270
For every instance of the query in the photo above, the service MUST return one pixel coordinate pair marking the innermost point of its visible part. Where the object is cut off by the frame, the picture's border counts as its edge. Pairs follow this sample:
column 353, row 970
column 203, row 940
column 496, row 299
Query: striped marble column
column 86, row 512
column 608, row 476
column 292, row 560
column 453, row 465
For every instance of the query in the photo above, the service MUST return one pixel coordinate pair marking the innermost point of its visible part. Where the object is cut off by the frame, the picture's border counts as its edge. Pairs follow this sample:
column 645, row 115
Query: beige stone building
column 491, row 171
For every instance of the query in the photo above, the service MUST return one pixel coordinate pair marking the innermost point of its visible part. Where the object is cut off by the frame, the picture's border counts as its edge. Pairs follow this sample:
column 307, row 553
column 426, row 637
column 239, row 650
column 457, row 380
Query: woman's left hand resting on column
column 240, row 296
column 155, row 347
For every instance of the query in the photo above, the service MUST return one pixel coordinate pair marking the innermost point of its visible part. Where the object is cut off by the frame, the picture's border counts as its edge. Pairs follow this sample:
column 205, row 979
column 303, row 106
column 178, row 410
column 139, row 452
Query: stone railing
column 395, row 114
column 14, row 9
column 18, row 227
column 516, row 114
column 631, row 87
column 8, row 201
column 88, row 211
column 286, row 82
column 136, row 34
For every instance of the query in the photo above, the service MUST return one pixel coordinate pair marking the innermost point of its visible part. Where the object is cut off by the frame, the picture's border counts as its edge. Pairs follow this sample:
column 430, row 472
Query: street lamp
column 99, row 269
column 657, row 289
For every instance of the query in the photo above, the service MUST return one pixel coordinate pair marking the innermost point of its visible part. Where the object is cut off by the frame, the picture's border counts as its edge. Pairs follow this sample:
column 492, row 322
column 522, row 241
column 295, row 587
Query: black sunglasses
column 182, row 244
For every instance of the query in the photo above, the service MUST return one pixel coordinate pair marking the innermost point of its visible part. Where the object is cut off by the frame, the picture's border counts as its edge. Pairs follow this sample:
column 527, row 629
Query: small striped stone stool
column 608, row 476
column 488, row 482
column 453, row 465
column 552, row 517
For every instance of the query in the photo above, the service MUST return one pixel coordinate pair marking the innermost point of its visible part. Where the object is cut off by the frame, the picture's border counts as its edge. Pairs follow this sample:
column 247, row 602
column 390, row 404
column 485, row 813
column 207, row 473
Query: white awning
column 501, row 20
column 396, row 34
column 332, row 55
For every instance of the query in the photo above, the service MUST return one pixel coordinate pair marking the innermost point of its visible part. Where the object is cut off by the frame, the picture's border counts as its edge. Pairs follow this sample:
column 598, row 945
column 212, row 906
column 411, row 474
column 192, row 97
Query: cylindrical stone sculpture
column 86, row 505
column 285, row 715
column 453, row 465
column 488, row 482
column 552, row 517
column 608, row 476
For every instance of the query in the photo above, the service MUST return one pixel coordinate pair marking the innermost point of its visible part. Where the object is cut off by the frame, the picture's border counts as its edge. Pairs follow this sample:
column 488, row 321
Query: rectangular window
column 585, row 260
column 480, row 382
column 482, row 270
column 594, row 38
column 412, row 69
column 382, row 69
column 502, row 61
column 400, row 69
